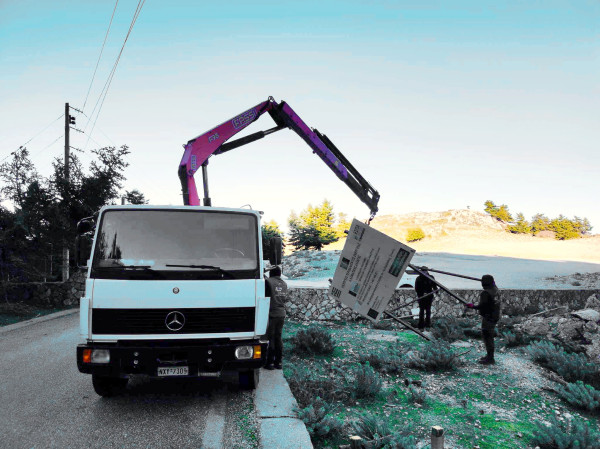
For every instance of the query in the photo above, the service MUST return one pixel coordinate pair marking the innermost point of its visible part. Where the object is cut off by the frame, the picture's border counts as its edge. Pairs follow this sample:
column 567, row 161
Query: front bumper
column 204, row 359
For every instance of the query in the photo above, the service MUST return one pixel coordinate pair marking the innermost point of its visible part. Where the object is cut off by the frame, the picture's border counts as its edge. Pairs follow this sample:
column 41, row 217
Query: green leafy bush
column 414, row 235
column 571, row 367
column 377, row 430
column 366, row 383
column 319, row 420
column 313, row 340
column 434, row 356
column 573, row 434
column 581, row 396
column 385, row 361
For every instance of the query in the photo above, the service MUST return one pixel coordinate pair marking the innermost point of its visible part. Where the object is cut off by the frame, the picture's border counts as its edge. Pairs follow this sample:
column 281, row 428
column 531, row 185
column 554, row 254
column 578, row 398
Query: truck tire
column 249, row 379
column 108, row 386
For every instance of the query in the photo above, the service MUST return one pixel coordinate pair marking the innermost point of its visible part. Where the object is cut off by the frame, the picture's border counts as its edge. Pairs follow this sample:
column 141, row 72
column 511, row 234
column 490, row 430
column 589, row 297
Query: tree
column 490, row 207
column 314, row 228
column 582, row 225
column 564, row 229
column 521, row 226
column 46, row 210
column 135, row 197
column 269, row 230
column 342, row 225
column 500, row 213
column 539, row 222
column 17, row 173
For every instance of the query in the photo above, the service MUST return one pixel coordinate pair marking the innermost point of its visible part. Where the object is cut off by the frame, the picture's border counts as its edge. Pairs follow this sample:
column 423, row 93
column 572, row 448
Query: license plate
column 174, row 371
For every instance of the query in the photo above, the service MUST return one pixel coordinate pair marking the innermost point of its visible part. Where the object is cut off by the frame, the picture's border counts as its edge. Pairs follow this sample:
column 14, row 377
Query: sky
column 439, row 105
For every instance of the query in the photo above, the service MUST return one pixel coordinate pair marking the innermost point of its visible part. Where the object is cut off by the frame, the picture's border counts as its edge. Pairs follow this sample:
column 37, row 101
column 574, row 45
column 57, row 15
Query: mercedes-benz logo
column 175, row 290
column 175, row 321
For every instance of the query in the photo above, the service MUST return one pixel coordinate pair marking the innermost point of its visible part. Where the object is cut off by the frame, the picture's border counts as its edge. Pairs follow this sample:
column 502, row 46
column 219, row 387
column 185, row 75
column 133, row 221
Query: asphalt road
column 45, row 402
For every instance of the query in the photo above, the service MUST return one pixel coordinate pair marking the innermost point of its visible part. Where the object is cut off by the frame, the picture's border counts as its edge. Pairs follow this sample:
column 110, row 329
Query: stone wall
column 310, row 304
column 47, row 294
column 313, row 304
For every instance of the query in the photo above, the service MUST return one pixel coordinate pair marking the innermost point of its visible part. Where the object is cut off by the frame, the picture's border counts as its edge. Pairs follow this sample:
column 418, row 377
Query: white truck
column 174, row 291
column 180, row 290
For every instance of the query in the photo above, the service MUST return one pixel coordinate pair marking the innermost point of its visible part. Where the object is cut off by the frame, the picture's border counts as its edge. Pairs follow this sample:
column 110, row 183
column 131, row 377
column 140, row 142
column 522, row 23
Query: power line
column 51, row 123
column 100, row 56
column 99, row 129
column 48, row 146
column 104, row 91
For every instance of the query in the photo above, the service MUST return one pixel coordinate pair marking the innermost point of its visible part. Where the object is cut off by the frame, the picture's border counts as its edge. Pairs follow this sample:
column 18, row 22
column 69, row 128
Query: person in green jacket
column 276, row 288
column 489, row 308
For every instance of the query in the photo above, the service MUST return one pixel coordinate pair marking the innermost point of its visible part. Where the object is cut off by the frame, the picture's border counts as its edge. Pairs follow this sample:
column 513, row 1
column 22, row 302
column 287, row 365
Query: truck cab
column 173, row 291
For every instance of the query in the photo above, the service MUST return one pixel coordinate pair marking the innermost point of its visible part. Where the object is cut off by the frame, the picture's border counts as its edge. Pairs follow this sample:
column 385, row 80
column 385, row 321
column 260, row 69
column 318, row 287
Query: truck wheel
column 108, row 386
column 249, row 379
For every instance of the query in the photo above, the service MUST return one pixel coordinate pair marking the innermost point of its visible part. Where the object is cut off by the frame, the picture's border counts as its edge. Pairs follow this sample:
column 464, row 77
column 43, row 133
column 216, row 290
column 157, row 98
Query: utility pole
column 65, row 251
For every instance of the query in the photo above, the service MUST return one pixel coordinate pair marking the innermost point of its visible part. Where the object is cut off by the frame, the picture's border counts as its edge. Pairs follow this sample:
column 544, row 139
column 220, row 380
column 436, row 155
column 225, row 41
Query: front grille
column 152, row 321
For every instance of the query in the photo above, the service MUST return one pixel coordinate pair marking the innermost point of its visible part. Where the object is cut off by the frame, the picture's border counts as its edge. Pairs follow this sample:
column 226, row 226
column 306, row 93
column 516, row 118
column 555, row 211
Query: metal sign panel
column 369, row 269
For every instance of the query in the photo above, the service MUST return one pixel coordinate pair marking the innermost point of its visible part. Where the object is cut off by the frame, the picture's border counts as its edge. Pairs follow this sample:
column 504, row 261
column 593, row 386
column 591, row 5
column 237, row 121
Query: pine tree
column 500, row 213
column 269, row 230
column 539, row 222
column 314, row 228
column 521, row 225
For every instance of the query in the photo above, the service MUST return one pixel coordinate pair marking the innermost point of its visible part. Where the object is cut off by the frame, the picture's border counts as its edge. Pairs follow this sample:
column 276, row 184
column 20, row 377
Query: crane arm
column 199, row 149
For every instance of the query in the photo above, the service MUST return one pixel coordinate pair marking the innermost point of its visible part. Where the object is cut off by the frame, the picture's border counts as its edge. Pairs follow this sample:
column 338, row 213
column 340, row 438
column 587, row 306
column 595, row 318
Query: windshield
column 176, row 244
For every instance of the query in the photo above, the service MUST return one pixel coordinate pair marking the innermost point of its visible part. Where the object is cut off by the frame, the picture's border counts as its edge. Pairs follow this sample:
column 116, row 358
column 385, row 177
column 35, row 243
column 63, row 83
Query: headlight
column 244, row 352
column 100, row 356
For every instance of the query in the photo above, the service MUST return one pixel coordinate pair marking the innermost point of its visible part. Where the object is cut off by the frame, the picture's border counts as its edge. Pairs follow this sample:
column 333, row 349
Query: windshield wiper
column 205, row 267
column 145, row 268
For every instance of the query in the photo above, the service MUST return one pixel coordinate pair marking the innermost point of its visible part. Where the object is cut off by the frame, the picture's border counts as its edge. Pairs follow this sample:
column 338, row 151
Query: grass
column 476, row 405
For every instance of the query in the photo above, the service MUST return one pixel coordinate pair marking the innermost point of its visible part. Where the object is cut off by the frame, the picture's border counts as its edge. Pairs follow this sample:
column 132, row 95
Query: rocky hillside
column 437, row 224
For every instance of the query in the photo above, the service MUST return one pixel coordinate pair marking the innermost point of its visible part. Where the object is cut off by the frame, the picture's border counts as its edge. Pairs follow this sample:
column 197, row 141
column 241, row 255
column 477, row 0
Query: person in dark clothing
column 489, row 308
column 276, row 288
column 425, row 289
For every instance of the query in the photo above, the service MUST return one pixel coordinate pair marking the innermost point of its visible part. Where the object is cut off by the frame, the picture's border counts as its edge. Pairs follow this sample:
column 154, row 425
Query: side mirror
column 275, row 250
column 83, row 248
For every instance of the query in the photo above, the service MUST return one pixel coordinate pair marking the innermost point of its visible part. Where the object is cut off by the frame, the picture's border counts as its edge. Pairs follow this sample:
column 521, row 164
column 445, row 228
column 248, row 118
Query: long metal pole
column 451, row 274
column 454, row 295
column 405, row 324
column 65, row 251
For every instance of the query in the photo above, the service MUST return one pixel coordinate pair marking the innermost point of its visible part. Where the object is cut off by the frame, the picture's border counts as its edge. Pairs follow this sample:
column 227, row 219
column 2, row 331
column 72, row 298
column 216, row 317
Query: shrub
column 435, row 356
column 448, row 329
column 514, row 339
column 377, row 430
column 367, row 383
column 417, row 395
column 414, row 235
column 306, row 385
column 581, row 396
column 385, row 361
column 313, row 340
column 572, row 367
column 319, row 420
column 571, row 434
